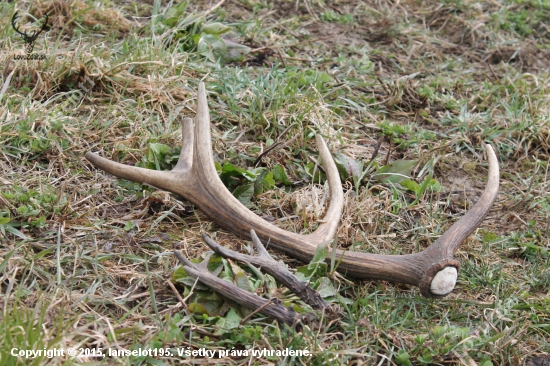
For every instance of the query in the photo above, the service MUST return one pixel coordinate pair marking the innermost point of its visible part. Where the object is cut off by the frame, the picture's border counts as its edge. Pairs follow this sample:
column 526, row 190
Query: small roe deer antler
column 194, row 177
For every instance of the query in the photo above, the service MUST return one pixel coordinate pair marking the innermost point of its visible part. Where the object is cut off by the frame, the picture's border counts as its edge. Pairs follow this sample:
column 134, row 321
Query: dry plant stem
column 272, row 308
column 195, row 179
column 269, row 265
column 176, row 292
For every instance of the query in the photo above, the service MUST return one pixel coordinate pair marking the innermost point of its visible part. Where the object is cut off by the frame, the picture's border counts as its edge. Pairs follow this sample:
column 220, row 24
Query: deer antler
column 273, row 308
column 194, row 177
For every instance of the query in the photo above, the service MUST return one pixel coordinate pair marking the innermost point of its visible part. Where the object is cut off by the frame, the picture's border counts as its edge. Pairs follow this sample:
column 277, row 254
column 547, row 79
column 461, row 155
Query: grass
column 85, row 258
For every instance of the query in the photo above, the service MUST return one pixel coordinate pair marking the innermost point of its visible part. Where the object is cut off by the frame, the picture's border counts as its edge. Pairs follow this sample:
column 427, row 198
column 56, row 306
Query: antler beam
column 194, row 177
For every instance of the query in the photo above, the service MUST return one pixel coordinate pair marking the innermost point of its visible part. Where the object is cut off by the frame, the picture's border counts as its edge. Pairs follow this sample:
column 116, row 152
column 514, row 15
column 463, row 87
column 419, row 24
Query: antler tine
column 173, row 181
column 160, row 179
column 440, row 278
column 434, row 270
column 473, row 218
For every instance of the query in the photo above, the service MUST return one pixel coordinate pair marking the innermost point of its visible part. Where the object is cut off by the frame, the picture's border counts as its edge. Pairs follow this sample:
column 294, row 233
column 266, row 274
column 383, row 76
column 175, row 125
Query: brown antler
column 274, row 307
column 433, row 270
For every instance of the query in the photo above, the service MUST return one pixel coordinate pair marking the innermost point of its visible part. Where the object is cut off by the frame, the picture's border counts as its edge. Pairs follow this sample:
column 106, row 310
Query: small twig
column 388, row 155
column 494, row 75
column 280, row 53
column 291, row 45
column 191, row 291
column 220, row 3
column 387, row 88
column 375, row 152
column 275, row 145
column 255, row 312
column 176, row 292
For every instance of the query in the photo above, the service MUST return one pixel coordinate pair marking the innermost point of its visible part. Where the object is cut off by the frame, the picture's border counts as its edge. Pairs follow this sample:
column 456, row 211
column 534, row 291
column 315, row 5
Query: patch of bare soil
column 527, row 57
column 540, row 360
column 290, row 8
column 331, row 33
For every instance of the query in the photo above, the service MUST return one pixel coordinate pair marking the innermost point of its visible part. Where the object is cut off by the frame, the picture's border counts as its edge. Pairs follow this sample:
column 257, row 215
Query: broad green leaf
column 305, row 273
column 181, row 276
column 396, row 172
column 279, row 174
column 244, row 193
column 325, row 287
column 230, row 321
column 197, row 308
column 347, row 167
column 172, row 15
column 209, row 302
column 234, row 51
column 264, row 182
column 434, row 185
column 215, row 264
column 411, row 185
column 321, row 252
column 240, row 279
column 215, row 28
column 231, row 175
column 212, row 47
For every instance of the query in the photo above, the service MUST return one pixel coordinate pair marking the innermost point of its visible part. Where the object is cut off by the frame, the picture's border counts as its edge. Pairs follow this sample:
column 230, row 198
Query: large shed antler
column 29, row 38
column 194, row 177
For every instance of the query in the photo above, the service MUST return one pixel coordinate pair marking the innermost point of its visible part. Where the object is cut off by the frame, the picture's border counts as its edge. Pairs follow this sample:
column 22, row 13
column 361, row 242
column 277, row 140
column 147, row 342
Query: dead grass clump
column 403, row 95
column 381, row 32
column 358, row 217
column 310, row 202
column 63, row 16
column 64, row 74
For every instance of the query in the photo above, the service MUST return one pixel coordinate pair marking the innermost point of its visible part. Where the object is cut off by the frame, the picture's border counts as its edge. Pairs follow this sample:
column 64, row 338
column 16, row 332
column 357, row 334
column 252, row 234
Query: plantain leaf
column 279, row 174
column 411, row 185
column 244, row 193
column 348, row 167
column 396, row 172
column 215, row 28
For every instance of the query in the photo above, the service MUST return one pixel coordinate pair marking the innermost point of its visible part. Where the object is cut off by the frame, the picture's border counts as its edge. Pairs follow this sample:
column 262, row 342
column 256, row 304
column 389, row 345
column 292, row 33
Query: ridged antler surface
column 433, row 270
